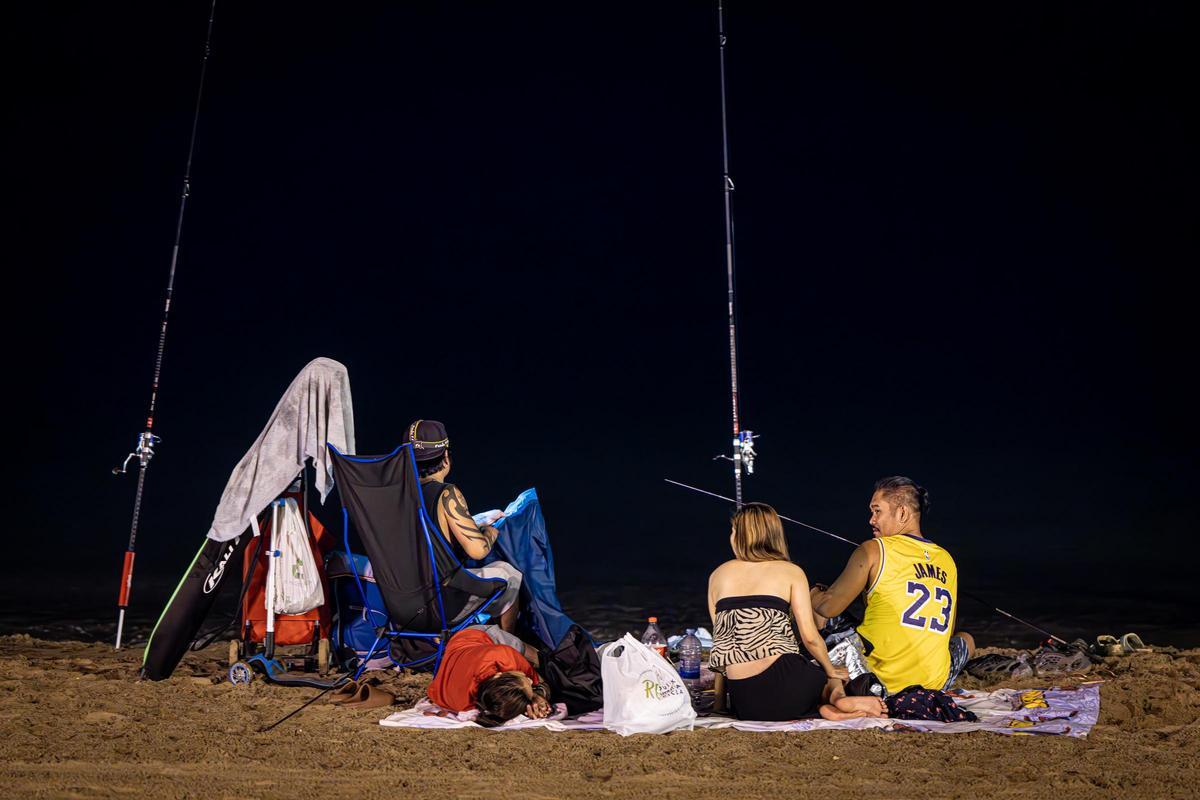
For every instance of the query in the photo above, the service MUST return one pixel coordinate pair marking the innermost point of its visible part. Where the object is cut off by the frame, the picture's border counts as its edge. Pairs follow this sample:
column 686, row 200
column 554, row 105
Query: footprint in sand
column 103, row 716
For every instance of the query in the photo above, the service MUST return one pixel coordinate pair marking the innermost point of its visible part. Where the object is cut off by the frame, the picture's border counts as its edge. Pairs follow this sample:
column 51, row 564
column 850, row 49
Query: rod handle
column 126, row 580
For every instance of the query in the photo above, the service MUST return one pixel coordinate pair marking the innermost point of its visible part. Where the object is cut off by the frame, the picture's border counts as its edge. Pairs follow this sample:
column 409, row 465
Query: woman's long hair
column 500, row 698
column 758, row 534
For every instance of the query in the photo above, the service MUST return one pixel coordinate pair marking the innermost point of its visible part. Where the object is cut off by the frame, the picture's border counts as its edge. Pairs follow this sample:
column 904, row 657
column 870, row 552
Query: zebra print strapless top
column 750, row 627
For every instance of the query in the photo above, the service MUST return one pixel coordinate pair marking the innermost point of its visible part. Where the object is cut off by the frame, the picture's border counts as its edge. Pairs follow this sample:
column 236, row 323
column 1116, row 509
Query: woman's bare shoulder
column 723, row 568
column 789, row 570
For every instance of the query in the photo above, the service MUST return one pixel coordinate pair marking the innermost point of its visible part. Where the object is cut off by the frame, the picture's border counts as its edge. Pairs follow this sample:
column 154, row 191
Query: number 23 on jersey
column 924, row 615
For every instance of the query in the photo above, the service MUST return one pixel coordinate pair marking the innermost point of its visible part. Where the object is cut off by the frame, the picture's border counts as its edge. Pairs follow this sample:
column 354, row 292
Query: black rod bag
column 190, row 603
column 573, row 672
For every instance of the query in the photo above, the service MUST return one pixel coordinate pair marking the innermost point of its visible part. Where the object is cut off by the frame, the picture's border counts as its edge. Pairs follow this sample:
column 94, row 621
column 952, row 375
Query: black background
column 964, row 234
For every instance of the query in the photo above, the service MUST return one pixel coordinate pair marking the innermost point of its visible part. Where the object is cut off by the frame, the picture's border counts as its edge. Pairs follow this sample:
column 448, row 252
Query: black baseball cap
column 428, row 438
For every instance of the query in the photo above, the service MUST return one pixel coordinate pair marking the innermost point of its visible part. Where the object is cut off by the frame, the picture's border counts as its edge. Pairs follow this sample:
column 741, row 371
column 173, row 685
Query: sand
column 76, row 722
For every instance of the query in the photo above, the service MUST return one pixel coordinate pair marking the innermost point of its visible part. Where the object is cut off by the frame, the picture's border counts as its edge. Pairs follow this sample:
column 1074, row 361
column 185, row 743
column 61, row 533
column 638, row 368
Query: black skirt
column 788, row 689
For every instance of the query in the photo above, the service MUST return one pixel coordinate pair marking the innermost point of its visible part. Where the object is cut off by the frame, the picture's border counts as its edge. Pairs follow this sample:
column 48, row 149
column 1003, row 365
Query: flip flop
column 369, row 696
column 1132, row 643
column 1106, row 645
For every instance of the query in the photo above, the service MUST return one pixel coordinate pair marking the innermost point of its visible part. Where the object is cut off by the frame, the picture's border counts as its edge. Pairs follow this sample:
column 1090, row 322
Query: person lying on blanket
column 910, row 586
column 754, row 641
column 488, row 668
column 431, row 447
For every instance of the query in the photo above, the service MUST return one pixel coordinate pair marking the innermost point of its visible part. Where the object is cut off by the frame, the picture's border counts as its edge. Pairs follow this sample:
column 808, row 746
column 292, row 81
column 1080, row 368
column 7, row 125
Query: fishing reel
column 743, row 451
column 143, row 453
column 744, row 446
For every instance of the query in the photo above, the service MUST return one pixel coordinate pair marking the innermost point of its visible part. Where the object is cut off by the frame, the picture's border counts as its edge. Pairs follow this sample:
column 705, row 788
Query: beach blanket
column 1063, row 711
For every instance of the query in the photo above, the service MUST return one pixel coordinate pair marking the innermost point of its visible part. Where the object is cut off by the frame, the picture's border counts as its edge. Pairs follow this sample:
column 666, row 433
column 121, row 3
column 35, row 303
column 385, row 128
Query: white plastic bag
column 642, row 691
column 297, row 580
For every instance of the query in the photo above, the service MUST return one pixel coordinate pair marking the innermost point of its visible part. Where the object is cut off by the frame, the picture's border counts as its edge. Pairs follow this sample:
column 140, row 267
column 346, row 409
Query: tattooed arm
column 476, row 541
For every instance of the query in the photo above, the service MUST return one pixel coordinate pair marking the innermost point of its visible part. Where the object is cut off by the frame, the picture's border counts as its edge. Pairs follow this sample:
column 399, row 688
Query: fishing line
column 146, row 441
column 968, row 595
column 337, row 683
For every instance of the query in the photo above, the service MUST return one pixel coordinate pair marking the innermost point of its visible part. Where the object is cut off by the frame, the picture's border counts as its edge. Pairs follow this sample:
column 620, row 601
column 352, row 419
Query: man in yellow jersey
column 910, row 586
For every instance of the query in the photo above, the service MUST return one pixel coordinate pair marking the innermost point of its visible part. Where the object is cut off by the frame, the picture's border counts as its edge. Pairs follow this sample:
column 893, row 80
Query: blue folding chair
column 425, row 588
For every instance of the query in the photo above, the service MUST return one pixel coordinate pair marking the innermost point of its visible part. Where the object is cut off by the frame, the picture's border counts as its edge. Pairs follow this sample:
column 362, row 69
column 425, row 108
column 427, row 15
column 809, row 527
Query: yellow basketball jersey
column 911, row 608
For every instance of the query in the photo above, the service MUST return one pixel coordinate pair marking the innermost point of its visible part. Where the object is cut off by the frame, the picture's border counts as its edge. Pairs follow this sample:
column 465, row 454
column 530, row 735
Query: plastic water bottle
column 654, row 639
column 689, row 661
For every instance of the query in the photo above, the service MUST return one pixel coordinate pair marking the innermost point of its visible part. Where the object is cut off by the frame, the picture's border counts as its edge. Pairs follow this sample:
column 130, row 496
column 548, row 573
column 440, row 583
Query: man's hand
column 490, row 517
column 839, row 674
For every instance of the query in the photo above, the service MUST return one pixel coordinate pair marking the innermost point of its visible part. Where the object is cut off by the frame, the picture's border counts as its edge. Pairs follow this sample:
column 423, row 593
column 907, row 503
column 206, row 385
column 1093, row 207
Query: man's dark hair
column 501, row 697
column 427, row 468
column 905, row 491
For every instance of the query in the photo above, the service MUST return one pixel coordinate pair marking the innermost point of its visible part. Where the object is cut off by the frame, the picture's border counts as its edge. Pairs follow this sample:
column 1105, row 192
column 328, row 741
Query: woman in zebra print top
column 755, row 638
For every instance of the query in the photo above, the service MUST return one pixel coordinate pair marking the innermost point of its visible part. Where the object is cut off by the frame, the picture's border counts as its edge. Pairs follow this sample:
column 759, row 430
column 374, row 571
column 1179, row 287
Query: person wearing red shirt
column 488, row 668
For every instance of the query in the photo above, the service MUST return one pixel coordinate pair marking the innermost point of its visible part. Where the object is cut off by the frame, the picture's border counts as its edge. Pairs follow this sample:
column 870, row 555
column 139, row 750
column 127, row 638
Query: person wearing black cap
column 431, row 447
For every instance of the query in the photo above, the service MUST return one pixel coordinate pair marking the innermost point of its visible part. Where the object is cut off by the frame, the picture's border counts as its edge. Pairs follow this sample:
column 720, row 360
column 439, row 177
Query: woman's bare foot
column 870, row 706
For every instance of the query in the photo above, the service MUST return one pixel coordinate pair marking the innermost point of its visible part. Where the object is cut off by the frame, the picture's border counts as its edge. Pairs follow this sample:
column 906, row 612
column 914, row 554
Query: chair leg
column 322, row 656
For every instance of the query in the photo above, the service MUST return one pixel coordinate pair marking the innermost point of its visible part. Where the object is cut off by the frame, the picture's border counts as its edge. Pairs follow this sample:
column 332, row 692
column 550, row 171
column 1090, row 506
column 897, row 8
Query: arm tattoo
column 460, row 518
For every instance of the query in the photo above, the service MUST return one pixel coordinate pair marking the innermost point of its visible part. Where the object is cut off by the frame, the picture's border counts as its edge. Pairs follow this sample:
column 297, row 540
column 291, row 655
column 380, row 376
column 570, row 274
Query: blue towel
column 524, row 544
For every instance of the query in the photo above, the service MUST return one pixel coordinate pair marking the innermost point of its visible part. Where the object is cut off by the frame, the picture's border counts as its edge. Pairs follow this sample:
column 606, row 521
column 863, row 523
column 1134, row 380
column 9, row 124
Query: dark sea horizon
column 82, row 607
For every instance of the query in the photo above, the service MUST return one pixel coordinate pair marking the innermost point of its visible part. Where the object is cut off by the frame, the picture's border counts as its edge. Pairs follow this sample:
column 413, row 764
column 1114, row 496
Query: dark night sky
column 961, row 232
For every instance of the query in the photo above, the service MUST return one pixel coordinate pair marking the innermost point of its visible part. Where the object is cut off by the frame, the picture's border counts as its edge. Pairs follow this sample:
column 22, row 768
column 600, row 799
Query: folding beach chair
column 424, row 587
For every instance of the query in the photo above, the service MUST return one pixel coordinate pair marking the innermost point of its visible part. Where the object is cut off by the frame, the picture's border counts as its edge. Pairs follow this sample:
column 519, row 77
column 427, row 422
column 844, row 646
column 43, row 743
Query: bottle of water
column 654, row 639
column 689, row 662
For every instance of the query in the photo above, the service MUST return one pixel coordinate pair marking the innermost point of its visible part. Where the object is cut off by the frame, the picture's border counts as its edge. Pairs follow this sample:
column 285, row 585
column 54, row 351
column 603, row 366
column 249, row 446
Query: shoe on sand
column 369, row 696
column 994, row 666
column 1132, row 643
column 1106, row 645
column 1049, row 661
column 344, row 693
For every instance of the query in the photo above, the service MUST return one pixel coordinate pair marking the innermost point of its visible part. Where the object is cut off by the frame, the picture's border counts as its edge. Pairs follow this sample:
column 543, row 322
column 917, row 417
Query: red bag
column 290, row 629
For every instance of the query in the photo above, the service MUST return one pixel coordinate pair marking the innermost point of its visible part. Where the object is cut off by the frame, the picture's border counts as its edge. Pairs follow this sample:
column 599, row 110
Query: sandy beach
column 77, row 723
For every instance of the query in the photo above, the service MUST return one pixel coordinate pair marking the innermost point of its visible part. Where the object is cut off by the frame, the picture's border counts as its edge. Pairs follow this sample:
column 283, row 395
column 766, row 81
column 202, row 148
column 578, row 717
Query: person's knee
column 970, row 640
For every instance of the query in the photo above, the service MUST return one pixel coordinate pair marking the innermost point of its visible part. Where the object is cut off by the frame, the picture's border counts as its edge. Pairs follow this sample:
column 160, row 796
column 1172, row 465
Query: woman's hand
column 539, row 708
column 838, row 673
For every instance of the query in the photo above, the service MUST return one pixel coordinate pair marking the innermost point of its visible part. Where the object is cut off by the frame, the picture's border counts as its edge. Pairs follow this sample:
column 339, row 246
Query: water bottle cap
column 653, row 619
column 691, row 631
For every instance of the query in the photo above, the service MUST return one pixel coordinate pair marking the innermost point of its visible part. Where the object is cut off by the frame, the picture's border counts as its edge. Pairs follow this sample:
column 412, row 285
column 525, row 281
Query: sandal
column 1132, row 643
column 343, row 693
column 1106, row 646
column 350, row 690
column 369, row 696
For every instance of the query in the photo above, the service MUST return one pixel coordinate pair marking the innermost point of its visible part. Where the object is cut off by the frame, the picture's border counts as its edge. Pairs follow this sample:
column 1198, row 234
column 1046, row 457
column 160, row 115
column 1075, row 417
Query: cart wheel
column 323, row 656
column 234, row 651
column 240, row 673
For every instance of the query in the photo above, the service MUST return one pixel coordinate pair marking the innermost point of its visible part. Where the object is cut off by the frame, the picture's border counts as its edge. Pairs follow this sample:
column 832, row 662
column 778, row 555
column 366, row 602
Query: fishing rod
column 743, row 440
column 968, row 595
column 146, row 440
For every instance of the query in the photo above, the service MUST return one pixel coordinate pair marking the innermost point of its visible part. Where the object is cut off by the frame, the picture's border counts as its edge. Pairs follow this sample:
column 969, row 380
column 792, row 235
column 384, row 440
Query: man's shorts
column 497, row 569
column 500, row 636
column 959, row 656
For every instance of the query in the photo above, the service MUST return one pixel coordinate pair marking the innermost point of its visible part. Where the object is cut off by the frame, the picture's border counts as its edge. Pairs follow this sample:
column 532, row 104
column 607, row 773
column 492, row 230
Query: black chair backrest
column 409, row 557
